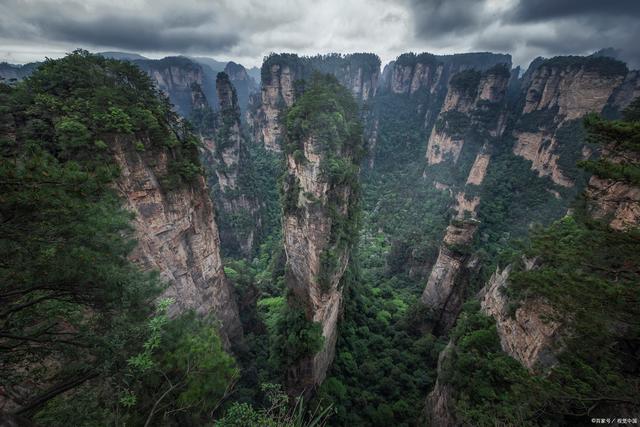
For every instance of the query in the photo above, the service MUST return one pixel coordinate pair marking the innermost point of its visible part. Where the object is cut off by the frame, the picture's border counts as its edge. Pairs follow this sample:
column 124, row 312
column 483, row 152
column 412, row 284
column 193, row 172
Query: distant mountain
column 254, row 73
column 122, row 56
column 214, row 64
column 14, row 72
column 243, row 82
column 188, row 84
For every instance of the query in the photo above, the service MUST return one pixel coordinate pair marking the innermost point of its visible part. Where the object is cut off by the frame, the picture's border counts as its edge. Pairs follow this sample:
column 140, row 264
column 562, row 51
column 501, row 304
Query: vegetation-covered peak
column 603, row 65
column 331, row 63
column 466, row 81
column 328, row 112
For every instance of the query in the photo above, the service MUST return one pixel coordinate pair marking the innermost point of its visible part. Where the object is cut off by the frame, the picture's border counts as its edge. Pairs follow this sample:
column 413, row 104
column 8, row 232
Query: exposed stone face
column 358, row 72
column 566, row 93
column 244, row 84
column 539, row 148
column 307, row 232
column 439, row 409
column 444, row 294
column 320, row 210
column 276, row 95
column 442, row 147
column 447, row 140
column 372, row 139
column 445, row 290
column 574, row 91
column 181, row 79
column 527, row 335
column 177, row 235
column 627, row 91
column 479, row 169
column 431, row 73
column 614, row 201
column 228, row 156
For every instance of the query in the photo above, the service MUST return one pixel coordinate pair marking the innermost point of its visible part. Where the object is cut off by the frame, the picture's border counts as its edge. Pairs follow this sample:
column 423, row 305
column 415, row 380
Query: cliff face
column 307, row 241
column 177, row 235
column 411, row 73
column 357, row 72
column 474, row 114
column 319, row 214
column 227, row 154
column 242, row 82
column 277, row 93
column 527, row 335
column 556, row 92
column 445, row 292
column 182, row 80
column 474, row 102
column 439, row 409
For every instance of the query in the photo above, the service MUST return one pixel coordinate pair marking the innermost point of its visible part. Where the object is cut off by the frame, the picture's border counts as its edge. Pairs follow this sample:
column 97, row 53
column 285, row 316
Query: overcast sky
column 246, row 30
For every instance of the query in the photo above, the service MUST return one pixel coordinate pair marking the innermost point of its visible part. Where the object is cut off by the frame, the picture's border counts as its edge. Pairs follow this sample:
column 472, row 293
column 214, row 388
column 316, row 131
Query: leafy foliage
column 603, row 65
column 74, row 309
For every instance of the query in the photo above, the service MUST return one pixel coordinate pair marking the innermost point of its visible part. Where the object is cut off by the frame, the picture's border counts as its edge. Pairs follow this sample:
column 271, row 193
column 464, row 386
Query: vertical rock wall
column 177, row 235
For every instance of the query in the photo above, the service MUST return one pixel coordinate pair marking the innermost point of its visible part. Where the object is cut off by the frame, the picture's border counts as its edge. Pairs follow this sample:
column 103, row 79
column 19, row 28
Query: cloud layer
column 246, row 30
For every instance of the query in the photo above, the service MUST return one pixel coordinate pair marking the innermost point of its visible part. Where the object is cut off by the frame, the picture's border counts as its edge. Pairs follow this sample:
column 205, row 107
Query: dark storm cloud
column 537, row 10
column 137, row 33
column 530, row 28
column 439, row 18
column 246, row 30
column 74, row 22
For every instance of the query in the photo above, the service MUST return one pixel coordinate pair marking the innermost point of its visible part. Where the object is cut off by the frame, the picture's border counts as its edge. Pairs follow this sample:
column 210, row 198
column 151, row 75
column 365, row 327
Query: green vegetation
column 411, row 59
column 328, row 114
column 490, row 388
column 304, row 67
column 619, row 137
column 77, row 317
column 80, row 316
column 603, row 65
column 383, row 367
column 466, row 81
column 586, row 272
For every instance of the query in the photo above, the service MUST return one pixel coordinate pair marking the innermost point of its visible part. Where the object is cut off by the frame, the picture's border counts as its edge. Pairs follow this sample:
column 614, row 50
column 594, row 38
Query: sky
column 246, row 30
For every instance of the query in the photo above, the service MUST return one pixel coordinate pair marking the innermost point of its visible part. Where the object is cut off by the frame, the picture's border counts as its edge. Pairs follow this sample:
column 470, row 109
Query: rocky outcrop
column 182, row 80
column 228, row 158
column 540, row 147
column 474, row 114
column 575, row 85
column 318, row 231
column 177, row 235
column 626, row 92
column 558, row 91
column 277, row 93
column 425, row 72
column 242, row 82
column 478, row 169
column 308, row 243
column 474, row 110
column 357, row 72
column 439, row 409
column 615, row 201
column 444, row 293
column 527, row 334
